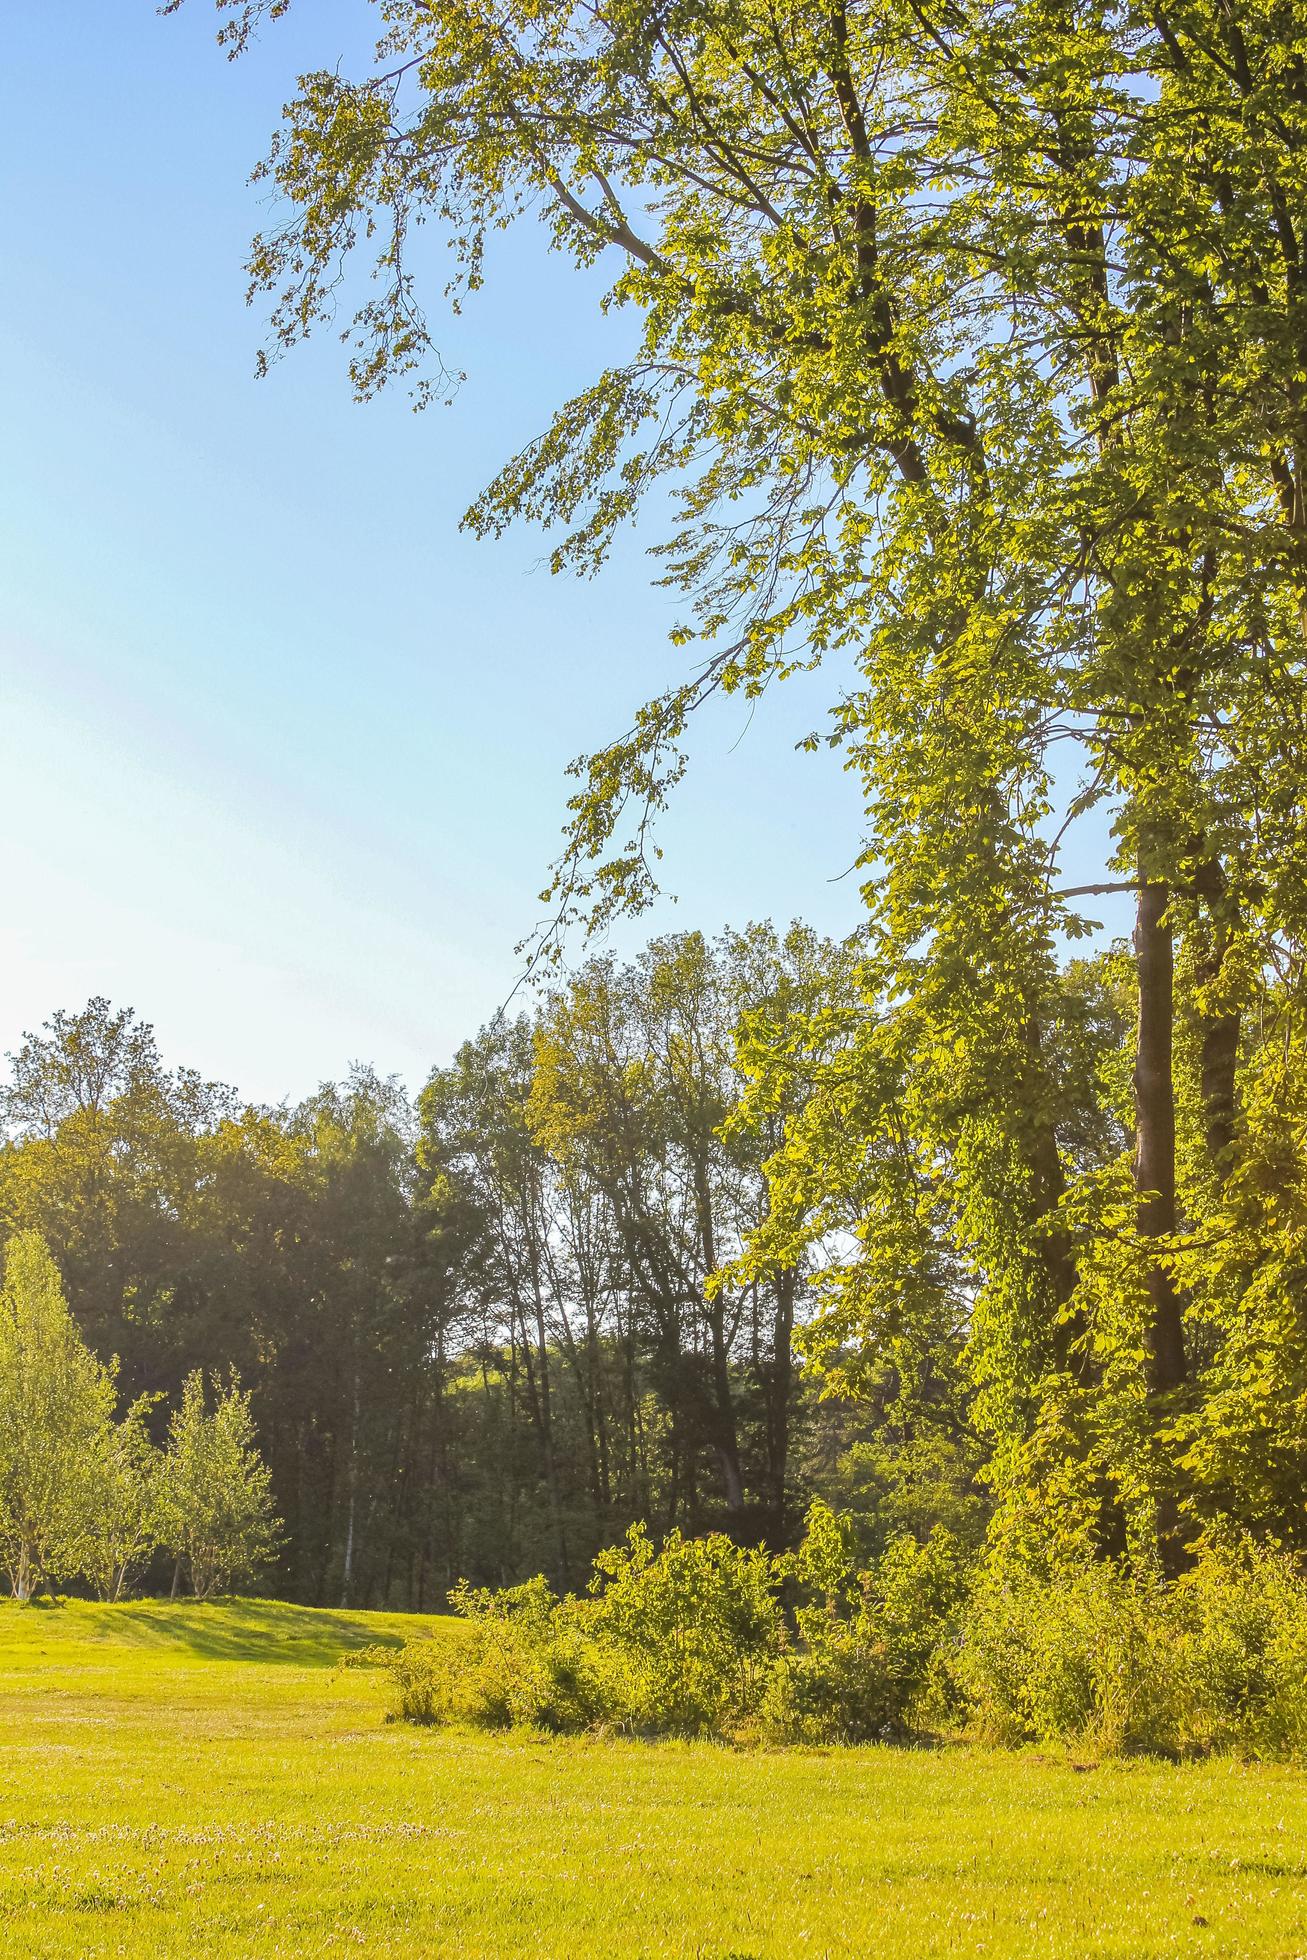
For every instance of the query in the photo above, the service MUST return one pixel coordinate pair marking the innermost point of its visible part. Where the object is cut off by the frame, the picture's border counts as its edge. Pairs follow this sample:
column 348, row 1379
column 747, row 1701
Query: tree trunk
column 1218, row 1061
column 347, row 1568
column 778, row 1398
column 1220, row 1054
column 1155, row 1211
column 542, row 1412
column 726, row 1441
column 1155, row 1126
column 1221, row 1022
column 600, row 1418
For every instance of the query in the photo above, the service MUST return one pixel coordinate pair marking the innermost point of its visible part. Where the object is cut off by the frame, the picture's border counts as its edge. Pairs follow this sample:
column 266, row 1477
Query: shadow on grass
column 262, row 1631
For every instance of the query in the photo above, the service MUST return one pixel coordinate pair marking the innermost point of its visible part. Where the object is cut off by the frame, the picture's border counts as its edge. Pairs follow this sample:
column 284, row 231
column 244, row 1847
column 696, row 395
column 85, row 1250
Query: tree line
column 480, row 1332
column 663, row 1251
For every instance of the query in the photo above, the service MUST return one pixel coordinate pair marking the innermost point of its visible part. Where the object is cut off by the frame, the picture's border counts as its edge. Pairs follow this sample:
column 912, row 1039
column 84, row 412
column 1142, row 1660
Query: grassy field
column 178, row 1779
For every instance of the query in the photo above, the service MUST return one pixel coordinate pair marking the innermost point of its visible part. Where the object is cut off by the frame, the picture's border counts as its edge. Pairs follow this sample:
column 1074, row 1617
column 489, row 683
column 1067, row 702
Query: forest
column 476, row 1331
column 785, row 1440
column 969, row 365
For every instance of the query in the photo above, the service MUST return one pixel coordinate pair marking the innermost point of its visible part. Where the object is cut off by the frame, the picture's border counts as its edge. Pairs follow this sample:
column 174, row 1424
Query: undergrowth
column 704, row 1637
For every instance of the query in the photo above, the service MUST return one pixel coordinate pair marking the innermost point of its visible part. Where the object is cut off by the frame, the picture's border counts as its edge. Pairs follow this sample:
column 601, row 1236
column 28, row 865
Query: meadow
column 181, row 1779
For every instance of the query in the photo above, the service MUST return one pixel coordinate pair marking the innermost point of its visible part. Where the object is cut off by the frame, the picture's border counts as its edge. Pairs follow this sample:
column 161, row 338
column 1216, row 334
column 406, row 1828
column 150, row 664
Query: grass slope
column 185, row 1779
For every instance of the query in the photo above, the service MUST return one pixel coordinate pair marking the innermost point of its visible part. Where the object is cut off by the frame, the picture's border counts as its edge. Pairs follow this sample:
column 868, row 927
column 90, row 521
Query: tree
column 531, row 1267
column 103, row 1156
column 56, row 1405
column 122, row 1521
column 587, row 1164
column 352, row 1155
column 215, row 1504
column 972, row 350
column 636, row 1080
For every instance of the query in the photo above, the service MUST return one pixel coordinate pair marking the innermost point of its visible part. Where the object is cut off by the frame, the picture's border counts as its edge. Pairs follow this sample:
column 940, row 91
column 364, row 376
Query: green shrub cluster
column 864, row 1660
column 704, row 1637
column 676, row 1641
column 1217, row 1660
column 701, row 1637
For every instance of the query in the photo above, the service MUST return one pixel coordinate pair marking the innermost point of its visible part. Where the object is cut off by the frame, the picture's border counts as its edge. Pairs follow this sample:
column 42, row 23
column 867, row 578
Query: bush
column 1216, row 1661
column 867, row 1640
column 1242, row 1636
column 528, row 1663
column 670, row 1642
column 419, row 1677
column 685, row 1635
column 1084, row 1658
column 690, row 1639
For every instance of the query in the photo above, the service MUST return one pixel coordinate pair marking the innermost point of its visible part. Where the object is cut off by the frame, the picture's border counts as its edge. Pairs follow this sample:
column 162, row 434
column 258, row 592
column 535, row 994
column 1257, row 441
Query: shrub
column 1216, row 1661
column 524, row 1664
column 670, row 1642
column 1081, row 1657
column 867, row 1641
column 685, row 1635
column 1242, row 1636
column 690, row 1639
column 420, row 1680
column 529, row 1662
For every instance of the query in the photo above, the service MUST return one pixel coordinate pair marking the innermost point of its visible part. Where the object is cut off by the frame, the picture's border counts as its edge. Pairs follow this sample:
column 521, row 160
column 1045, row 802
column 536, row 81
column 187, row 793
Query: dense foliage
column 83, row 1496
column 691, row 1639
column 971, row 351
column 707, row 1637
column 484, row 1334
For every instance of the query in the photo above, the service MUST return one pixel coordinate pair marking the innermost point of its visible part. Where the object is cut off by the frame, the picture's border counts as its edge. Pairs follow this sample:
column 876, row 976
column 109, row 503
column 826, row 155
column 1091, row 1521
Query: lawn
column 178, row 1779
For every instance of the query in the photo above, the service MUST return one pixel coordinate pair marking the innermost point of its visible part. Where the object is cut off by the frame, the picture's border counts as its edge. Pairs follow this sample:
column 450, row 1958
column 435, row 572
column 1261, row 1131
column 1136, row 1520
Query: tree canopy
column 971, row 352
column 476, row 1334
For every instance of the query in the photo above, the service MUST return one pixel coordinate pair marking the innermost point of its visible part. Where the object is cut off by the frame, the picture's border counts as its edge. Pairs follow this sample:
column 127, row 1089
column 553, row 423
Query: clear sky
column 283, row 752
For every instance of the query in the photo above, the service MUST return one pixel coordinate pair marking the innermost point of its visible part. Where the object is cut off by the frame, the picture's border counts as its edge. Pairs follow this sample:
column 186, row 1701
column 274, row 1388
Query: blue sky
column 283, row 752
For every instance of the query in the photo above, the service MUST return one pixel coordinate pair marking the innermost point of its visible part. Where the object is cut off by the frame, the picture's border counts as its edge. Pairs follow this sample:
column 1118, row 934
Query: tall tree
column 972, row 347
column 56, row 1408
column 123, row 1512
column 102, row 1157
column 636, row 1080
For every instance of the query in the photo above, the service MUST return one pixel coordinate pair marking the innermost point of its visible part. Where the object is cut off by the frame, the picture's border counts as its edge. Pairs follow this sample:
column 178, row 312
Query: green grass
column 202, row 1779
